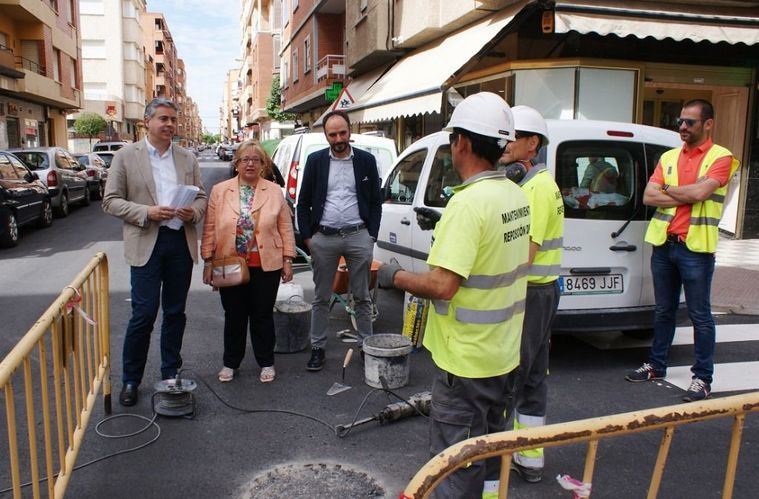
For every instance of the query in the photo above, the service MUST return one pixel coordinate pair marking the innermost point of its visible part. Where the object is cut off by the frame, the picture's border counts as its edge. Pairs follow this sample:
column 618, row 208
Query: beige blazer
column 271, row 216
column 130, row 191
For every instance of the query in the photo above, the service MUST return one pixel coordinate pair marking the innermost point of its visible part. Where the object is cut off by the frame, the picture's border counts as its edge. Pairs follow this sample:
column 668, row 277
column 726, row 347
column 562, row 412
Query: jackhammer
column 419, row 403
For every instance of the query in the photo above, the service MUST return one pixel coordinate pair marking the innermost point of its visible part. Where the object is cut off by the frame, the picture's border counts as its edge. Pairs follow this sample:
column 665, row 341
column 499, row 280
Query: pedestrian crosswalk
column 728, row 376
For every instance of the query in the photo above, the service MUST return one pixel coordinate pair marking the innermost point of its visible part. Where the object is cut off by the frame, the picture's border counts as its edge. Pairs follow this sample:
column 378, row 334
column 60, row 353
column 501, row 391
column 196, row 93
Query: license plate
column 591, row 284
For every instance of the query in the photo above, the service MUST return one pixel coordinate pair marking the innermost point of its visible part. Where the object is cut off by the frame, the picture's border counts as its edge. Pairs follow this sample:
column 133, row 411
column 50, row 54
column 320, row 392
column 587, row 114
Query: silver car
column 97, row 172
column 64, row 177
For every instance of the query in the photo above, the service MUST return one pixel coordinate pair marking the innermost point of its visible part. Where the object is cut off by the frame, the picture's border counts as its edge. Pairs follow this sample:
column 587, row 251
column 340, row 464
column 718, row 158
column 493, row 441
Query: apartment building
column 260, row 26
column 159, row 45
column 229, row 113
column 40, row 71
column 113, row 67
column 312, row 70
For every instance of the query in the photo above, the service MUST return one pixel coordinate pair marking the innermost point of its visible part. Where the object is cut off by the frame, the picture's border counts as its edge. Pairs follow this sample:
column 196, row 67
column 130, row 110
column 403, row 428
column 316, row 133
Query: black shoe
column 316, row 362
column 531, row 475
column 128, row 396
column 698, row 390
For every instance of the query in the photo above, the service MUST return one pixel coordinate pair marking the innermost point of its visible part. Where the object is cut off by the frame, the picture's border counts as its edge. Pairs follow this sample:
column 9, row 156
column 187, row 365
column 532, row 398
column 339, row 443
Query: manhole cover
column 312, row 480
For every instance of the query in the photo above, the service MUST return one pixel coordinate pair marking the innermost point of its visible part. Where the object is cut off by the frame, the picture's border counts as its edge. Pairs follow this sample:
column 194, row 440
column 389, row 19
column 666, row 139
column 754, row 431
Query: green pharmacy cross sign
column 332, row 93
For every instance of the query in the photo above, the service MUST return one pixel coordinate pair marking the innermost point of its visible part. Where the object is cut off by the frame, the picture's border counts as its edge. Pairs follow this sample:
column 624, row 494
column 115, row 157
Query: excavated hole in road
column 312, row 480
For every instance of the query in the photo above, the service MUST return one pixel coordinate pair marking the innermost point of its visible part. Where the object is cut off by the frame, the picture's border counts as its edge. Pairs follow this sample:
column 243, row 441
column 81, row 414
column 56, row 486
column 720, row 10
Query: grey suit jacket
column 130, row 190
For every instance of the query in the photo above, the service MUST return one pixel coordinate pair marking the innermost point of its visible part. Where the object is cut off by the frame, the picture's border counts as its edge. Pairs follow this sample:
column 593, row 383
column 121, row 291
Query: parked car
column 109, row 146
column 106, row 156
column 61, row 173
column 605, row 278
column 97, row 172
column 24, row 199
column 227, row 151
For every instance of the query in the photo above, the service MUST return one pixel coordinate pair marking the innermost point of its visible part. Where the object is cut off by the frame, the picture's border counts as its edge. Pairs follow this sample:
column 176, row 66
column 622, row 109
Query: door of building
column 14, row 136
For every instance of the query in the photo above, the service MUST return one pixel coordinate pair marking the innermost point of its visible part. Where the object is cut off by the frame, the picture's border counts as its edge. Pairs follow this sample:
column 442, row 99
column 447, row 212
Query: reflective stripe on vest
column 495, row 281
column 703, row 231
column 480, row 316
column 544, row 270
column 552, row 244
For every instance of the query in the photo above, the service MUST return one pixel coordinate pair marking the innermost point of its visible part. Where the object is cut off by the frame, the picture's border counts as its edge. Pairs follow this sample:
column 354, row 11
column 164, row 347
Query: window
column 598, row 179
column 295, row 5
column 70, row 12
column 91, row 7
column 295, row 64
column 93, row 49
column 6, row 169
column 61, row 161
column 21, row 170
column 307, row 54
column 550, row 91
column 57, row 65
column 276, row 46
column 285, row 12
column 606, row 94
column 401, row 183
column 442, row 178
column 3, row 40
column 72, row 72
column 285, row 74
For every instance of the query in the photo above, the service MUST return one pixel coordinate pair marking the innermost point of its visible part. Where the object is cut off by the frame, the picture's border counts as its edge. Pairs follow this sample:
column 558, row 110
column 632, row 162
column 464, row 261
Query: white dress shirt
column 164, row 174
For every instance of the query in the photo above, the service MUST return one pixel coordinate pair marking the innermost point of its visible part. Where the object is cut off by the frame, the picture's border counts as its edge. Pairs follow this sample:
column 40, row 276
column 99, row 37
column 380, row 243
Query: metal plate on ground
column 326, row 480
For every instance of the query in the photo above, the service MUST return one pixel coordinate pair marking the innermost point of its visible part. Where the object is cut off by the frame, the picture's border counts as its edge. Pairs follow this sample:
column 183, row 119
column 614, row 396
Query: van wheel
column 9, row 237
column 46, row 220
column 639, row 334
column 63, row 210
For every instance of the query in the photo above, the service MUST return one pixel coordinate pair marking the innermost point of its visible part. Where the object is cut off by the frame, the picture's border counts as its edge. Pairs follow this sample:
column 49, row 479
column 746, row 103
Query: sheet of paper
column 183, row 197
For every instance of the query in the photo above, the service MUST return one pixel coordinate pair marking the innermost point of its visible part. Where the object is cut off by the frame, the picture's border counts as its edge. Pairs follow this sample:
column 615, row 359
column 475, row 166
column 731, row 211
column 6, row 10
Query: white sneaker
column 226, row 374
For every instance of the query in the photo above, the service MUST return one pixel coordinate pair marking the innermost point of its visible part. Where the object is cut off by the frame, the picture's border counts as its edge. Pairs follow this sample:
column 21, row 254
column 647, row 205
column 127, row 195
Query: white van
column 606, row 278
column 292, row 152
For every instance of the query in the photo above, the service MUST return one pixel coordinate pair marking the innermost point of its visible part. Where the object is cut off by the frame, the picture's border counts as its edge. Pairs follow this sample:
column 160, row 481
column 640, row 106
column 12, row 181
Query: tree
column 273, row 103
column 209, row 138
column 90, row 125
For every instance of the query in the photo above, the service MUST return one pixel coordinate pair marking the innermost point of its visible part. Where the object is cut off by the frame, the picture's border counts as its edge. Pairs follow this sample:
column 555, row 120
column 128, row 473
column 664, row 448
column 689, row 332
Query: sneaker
column 226, row 374
column 644, row 373
column 698, row 390
column 530, row 475
column 316, row 362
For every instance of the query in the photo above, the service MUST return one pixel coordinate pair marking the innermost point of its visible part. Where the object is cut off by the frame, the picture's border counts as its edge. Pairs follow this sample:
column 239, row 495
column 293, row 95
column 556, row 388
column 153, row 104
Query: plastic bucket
column 386, row 356
column 292, row 322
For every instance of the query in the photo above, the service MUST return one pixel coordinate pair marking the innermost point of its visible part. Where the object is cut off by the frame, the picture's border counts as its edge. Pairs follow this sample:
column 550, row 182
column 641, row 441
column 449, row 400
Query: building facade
column 312, row 67
column 40, row 71
column 113, row 68
column 159, row 45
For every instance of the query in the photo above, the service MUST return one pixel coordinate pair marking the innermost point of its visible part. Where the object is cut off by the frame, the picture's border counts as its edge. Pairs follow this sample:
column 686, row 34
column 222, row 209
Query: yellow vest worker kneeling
column 477, row 286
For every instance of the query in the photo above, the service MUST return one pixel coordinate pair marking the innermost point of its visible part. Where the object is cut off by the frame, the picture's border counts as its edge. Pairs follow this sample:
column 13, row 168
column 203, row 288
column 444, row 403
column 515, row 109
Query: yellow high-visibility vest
column 547, row 224
column 703, row 232
column 483, row 236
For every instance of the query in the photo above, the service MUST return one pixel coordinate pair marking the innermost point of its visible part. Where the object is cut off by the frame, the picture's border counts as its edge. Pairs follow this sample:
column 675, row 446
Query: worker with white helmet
column 546, row 232
column 477, row 286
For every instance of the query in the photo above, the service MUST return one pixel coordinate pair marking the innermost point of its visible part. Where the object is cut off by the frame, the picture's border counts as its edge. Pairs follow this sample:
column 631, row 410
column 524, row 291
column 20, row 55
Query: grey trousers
column 357, row 249
column 464, row 408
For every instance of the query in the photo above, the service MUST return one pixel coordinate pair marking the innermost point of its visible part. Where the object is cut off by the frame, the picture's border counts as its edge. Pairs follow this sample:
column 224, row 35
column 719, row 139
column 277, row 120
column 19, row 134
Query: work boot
column 316, row 362
column 530, row 475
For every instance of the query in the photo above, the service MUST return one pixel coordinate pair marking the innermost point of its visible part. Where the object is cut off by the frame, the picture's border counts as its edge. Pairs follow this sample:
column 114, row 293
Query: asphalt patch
column 312, row 480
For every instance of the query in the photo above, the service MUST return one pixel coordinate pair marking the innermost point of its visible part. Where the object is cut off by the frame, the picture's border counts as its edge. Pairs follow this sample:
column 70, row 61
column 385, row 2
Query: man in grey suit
column 142, row 181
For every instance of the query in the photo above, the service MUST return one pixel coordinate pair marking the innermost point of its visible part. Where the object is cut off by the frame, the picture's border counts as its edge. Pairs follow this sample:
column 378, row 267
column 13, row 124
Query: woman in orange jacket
column 247, row 216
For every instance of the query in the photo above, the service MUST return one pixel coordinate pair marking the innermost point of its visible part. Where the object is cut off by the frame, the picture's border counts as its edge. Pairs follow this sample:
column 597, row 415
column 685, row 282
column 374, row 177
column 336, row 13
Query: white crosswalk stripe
column 728, row 377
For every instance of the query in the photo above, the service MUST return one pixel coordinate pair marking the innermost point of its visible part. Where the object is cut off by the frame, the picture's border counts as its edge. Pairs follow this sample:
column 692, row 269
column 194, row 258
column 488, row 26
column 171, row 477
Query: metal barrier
column 592, row 430
column 71, row 339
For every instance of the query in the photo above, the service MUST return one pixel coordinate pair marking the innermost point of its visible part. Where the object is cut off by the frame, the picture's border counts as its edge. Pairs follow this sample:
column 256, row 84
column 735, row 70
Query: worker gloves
column 427, row 218
column 386, row 273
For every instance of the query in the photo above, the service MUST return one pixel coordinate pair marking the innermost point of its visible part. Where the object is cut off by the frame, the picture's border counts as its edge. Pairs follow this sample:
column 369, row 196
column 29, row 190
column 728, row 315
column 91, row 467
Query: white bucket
column 386, row 356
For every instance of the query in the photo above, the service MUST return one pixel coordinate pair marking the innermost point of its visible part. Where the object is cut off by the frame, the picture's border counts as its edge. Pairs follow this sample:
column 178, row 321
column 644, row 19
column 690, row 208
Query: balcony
column 30, row 66
column 331, row 67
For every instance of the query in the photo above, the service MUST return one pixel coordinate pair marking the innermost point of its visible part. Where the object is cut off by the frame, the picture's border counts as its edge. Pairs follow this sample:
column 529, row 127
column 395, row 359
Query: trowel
column 338, row 387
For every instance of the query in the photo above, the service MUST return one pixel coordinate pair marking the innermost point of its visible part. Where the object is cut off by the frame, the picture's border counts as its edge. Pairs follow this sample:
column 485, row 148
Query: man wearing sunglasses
column 688, row 189
column 477, row 285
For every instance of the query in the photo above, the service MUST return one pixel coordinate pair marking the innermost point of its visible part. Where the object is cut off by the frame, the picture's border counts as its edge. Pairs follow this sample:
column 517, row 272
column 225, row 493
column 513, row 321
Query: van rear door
column 603, row 262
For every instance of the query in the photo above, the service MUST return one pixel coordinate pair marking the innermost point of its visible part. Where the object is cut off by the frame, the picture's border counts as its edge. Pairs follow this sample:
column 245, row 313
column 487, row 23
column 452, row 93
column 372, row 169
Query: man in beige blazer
column 160, row 242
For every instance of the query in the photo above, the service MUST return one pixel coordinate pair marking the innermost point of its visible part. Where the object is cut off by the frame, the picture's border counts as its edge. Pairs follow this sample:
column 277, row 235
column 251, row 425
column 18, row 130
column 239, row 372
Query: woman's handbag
column 229, row 271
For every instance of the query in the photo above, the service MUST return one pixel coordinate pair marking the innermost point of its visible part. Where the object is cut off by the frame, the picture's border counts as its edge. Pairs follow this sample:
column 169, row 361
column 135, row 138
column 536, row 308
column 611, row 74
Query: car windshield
column 35, row 160
column 83, row 160
column 107, row 158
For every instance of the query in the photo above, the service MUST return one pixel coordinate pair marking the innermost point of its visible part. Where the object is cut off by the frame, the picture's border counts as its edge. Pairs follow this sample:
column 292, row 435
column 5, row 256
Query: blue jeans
column 165, row 281
column 673, row 265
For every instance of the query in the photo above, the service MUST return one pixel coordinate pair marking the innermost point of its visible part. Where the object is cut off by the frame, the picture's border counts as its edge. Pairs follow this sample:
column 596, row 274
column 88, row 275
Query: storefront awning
column 414, row 85
column 678, row 22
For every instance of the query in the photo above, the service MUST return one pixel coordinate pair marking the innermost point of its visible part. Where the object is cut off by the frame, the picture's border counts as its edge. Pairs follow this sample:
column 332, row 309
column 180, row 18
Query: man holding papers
column 150, row 187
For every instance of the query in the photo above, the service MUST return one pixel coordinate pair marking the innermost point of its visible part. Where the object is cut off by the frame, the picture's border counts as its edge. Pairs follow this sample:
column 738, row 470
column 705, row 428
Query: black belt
column 673, row 238
column 343, row 231
column 166, row 228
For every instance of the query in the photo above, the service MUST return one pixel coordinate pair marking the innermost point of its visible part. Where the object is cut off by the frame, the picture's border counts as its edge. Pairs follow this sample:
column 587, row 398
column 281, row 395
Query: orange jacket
column 271, row 215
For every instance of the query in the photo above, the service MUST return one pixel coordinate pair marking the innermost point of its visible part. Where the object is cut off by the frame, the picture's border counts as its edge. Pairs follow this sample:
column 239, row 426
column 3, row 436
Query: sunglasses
column 689, row 122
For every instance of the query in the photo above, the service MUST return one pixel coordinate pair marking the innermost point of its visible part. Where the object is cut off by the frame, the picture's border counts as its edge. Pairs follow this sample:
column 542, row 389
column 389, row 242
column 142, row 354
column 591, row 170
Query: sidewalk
column 734, row 288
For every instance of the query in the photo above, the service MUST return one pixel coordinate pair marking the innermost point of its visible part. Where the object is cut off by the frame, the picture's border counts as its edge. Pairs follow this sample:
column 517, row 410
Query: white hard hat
column 527, row 119
column 484, row 113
